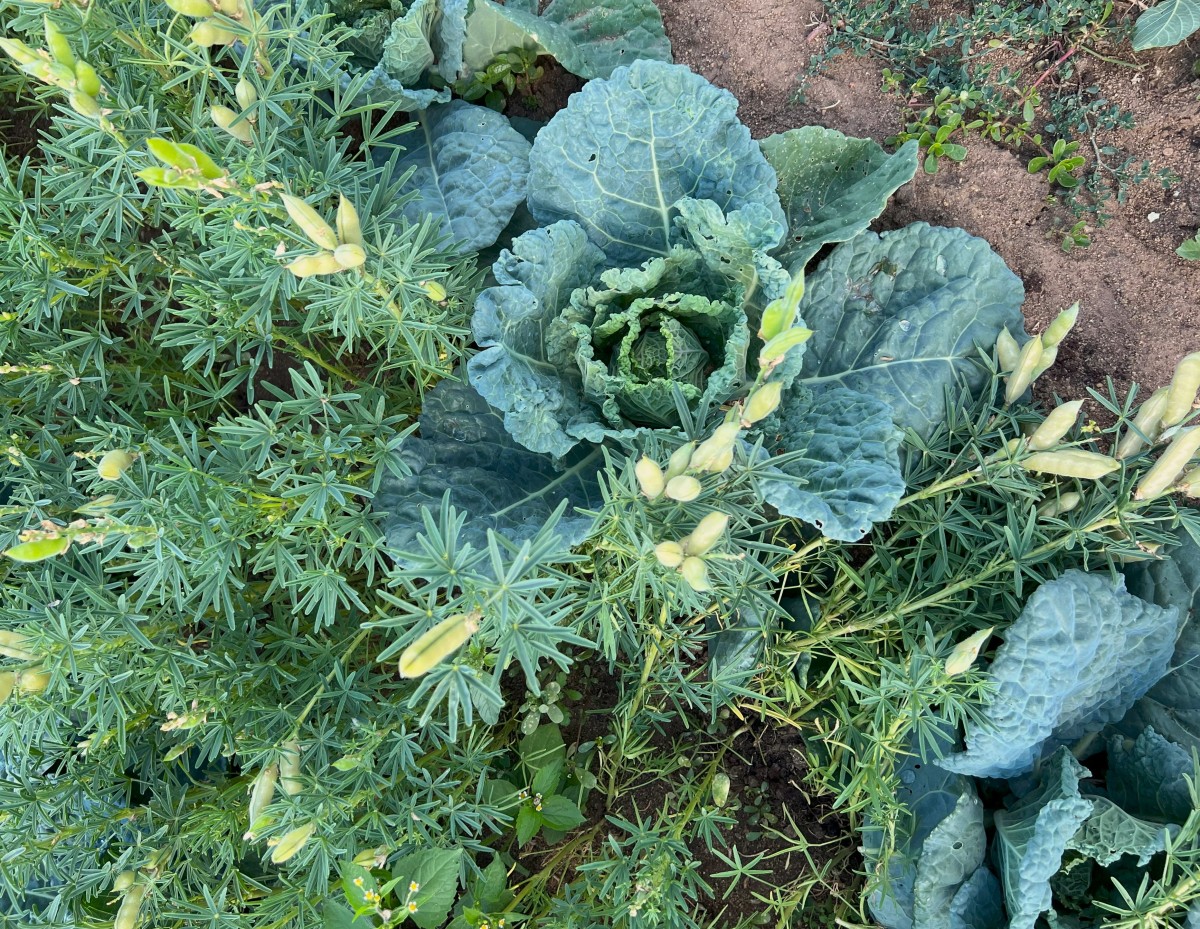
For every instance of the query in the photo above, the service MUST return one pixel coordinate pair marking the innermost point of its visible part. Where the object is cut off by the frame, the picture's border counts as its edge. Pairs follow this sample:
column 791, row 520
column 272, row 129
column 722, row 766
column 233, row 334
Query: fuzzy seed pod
column 1181, row 395
column 21, row 53
column 8, row 682
column 310, row 222
column 124, row 881
column 438, row 643
column 291, row 843
column 1055, row 426
column 114, row 463
column 87, row 79
column 763, row 402
column 781, row 313
column 1049, row 356
column 226, row 119
column 184, row 157
column 1022, row 375
column 695, row 572
column 39, row 549
column 206, row 33
column 84, row 104
column 650, row 478
column 314, row 265
column 1071, row 463
column 720, row 789
column 774, row 351
column 195, row 9
column 712, row 450
column 1190, row 483
column 60, row 48
column 131, row 907
column 350, row 255
column 706, row 534
column 289, row 768
column 669, row 554
column 13, row 645
column 1062, row 324
column 678, row 462
column 262, row 792
column 1008, row 352
column 349, row 231
column 1170, row 464
column 683, row 489
column 1064, row 503
column 1148, row 422
column 966, row 651
column 33, row 681
column 434, row 291
column 245, row 94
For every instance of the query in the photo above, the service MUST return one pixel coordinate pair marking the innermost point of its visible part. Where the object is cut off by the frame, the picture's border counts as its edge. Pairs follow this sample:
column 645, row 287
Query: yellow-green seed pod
column 226, row 119
column 678, row 462
column 1181, row 395
column 60, row 48
column 708, row 532
column 262, row 792
column 695, row 572
column 1055, row 426
column 131, row 907
column 314, row 265
column 669, row 554
column 1148, row 422
column 33, row 681
column 1073, row 462
column 39, row 549
column 371, row 857
column 206, row 33
column 1008, row 352
column 966, row 651
column 683, row 489
column 84, row 104
column 1190, row 483
column 720, row 789
column 18, row 51
column 780, row 314
column 291, row 843
column 1022, row 375
column 1170, row 464
column 124, row 881
column 1063, row 503
column 186, row 158
column 712, row 450
column 775, row 350
column 350, row 255
column 8, row 683
column 650, row 478
column 289, row 768
column 438, row 643
column 245, row 94
column 763, row 402
column 87, row 79
column 1062, row 324
column 14, row 645
column 349, row 231
column 195, row 9
column 310, row 222
column 114, row 463
column 1049, row 356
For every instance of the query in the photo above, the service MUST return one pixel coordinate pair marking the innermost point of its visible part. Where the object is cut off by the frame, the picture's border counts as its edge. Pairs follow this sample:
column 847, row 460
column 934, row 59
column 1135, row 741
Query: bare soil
column 1139, row 302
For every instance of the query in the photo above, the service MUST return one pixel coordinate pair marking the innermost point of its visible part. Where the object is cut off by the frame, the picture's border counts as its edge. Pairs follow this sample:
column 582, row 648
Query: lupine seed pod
column 114, row 463
column 720, row 789
column 683, row 489
column 13, row 645
column 695, row 572
column 124, row 881
column 262, row 792
column 1148, row 422
column 8, row 682
column 434, row 291
column 350, row 255
column 244, row 92
column 60, row 48
column 1073, row 462
column 87, row 79
column 226, row 119
column 966, row 651
column 1170, row 464
column 650, row 478
column 1007, row 351
column 131, row 907
column 84, row 104
column 310, row 222
column 314, row 265
column 715, row 446
column 1189, row 484
column 1062, row 324
column 51, row 72
column 291, row 843
column 1022, row 374
column 196, row 9
column 438, row 643
column 33, row 681
column 206, row 33
column 678, row 462
column 1063, row 503
column 18, row 51
column 774, row 351
column 1049, row 356
column 39, row 549
column 708, row 532
column 763, row 402
column 1181, row 396
column 669, row 554
column 185, row 157
column 348, row 229
column 781, row 313
column 289, row 768
column 1055, row 426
